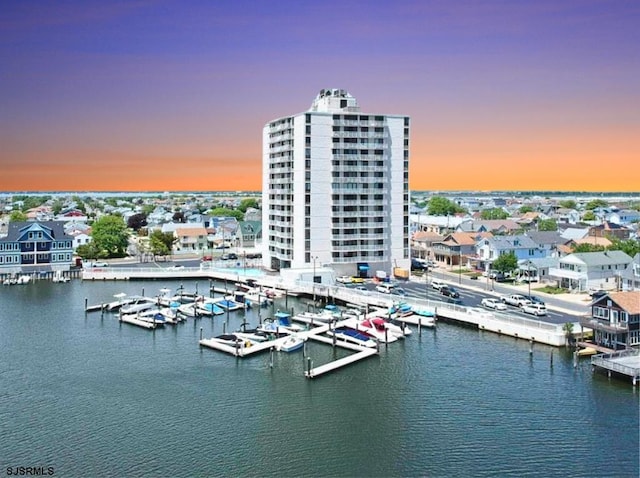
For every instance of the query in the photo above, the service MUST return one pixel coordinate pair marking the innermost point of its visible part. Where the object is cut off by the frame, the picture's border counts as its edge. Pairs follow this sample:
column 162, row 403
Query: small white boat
column 139, row 304
column 290, row 343
column 59, row 277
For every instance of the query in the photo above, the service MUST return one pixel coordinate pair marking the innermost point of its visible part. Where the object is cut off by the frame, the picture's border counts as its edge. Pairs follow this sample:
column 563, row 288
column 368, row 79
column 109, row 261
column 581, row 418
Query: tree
column 110, row 236
column 161, row 243
column 56, row 207
column 441, row 206
column 88, row 251
column 596, row 203
column 178, row 216
column 547, row 225
column 588, row 216
column 17, row 216
column 507, row 262
column 568, row 332
column 525, row 209
column 586, row 247
column 226, row 212
column 568, row 204
column 247, row 203
column 631, row 247
column 494, row 213
column 137, row 221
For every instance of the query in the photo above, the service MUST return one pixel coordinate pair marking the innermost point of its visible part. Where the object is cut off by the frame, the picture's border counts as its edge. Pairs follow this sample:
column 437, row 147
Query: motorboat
column 377, row 327
column 354, row 336
column 122, row 299
column 401, row 310
column 139, row 304
column 290, row 343
column 227, row 303
column 281, row 323
column 255, row 297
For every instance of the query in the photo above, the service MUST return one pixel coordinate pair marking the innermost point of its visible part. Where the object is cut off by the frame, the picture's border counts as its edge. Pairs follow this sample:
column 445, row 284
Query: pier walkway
column 626, row 362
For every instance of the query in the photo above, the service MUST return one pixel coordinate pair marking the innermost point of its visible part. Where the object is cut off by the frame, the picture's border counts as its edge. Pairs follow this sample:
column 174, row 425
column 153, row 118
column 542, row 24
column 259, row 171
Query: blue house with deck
column 31, row 247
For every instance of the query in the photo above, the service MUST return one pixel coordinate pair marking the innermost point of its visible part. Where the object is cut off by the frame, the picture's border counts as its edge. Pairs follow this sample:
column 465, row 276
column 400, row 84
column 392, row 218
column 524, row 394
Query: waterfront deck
column 626, row 362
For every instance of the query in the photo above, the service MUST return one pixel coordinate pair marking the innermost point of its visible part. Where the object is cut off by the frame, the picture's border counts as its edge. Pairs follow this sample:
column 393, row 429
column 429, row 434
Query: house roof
column 191, row 231
column 594, row 240
column 598, row 258
column 427, row 236
column 512, row 242
column 15, row 228
column 546, row 237
column 628, row 301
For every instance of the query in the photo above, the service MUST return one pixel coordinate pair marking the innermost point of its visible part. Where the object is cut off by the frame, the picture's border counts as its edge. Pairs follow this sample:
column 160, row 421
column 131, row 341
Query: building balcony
column 604, row 325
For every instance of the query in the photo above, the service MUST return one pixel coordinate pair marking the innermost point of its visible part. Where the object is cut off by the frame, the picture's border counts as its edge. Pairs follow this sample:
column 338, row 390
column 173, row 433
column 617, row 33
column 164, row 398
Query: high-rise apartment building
column 335, row 188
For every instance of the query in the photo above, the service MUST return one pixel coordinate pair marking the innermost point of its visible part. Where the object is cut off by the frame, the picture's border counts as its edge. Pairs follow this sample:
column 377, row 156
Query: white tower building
column 335, row 188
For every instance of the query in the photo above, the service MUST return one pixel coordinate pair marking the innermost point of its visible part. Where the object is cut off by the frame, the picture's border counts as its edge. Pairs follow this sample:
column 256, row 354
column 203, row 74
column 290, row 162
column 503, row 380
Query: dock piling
column 386, row 338
column 271, row 357
column 200, row 333
column 309, row 367
column 575, row 359
column 419, row 326
column 530, row 347
column 551, row 359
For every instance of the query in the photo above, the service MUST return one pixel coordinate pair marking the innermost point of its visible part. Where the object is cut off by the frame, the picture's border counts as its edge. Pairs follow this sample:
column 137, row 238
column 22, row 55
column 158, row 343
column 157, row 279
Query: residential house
column 191, row 239
column 422, row 243
column 623, row 216
column 35, row 247
column 488, row 249
column 610, row 229
column 548, row 241
column 565, row 215
column 584, row 270
column 457, row 248
column 630, row 278
column 442, row 225
column 494, row 226
column 249, row 233
column 615, row 320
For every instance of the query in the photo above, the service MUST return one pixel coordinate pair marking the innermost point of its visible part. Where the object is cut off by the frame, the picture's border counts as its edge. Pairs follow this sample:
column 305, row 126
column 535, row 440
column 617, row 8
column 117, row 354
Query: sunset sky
column 172, row 95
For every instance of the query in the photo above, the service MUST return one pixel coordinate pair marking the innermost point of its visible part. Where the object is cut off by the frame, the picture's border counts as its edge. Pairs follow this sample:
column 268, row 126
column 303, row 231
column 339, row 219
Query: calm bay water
column 89, row 396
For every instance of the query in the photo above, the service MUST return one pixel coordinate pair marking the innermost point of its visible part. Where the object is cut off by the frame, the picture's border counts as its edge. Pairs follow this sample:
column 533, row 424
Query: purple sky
column 173, row 95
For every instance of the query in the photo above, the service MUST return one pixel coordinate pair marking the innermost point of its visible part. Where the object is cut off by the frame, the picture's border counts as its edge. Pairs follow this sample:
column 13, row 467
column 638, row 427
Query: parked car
column 177, row 267
column 491, row 303
column 449, row 291
column 597, row 293
column 356, row 280
column 517, row 300
column 384, row 288
column 398, row 291
column 534, row 309
column 437, row 284
column 231, row 256
column 344, row 279
column 207, row 258
column 534, row 299
column 100, row 264
column 362, row 288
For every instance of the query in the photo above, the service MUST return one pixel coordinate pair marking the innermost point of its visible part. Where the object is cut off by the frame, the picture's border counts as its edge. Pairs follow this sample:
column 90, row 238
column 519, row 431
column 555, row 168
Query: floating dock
column 328, row 367
column 129, row 319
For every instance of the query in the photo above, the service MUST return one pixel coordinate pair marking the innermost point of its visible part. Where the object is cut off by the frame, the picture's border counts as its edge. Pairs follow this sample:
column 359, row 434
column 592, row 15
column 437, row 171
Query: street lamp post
column 426, row 283
column 460, row 266
column 529, row 276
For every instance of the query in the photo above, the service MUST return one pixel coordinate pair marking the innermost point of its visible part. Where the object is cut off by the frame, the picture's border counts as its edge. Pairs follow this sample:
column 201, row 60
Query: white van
column 437, row 284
